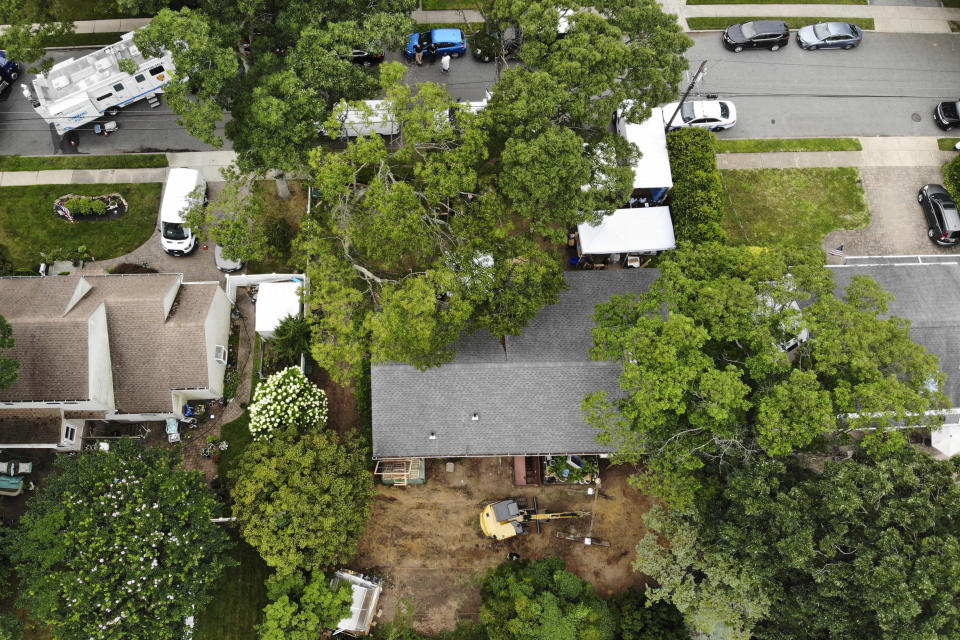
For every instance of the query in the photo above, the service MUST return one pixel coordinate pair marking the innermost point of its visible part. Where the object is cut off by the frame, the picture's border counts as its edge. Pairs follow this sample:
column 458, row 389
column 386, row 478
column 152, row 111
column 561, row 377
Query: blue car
column 447, row 40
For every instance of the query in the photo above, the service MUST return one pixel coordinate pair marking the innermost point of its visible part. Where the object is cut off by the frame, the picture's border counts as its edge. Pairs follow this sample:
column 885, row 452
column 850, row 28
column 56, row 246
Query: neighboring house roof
column 155, row 329
column 526, row 392
column 928, row 295
column 38, row 426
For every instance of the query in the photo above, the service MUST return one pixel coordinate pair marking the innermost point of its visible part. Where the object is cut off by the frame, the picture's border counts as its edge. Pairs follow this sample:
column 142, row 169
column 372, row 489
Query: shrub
column 696, row 201
column 98, row 207
column 951, row 177
column 287, row 402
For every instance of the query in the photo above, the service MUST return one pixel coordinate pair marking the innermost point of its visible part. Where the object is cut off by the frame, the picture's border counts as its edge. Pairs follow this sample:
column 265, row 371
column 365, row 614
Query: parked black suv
column 759, row 34
column 947, row 115
column 941, row 213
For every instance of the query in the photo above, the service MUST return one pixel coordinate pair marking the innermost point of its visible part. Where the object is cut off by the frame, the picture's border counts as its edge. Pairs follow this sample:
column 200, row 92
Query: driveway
column 197, row 267
column 897, row 225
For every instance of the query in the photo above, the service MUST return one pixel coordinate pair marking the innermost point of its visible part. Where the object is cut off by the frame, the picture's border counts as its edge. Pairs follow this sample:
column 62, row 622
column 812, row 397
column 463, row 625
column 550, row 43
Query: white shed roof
column 946, row 439
column 652, row 171
column 366, row 593
column 629, row 231
column 276, row 301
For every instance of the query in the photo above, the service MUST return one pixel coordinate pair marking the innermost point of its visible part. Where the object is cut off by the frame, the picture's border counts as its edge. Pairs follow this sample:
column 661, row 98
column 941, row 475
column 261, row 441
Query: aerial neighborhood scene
column 480, row 319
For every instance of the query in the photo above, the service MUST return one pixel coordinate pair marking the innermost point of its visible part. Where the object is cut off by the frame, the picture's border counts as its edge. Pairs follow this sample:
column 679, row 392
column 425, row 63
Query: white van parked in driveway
column 176, row 239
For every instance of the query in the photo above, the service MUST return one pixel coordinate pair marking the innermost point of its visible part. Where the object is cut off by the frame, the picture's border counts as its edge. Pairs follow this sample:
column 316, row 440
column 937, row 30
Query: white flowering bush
column 118, row 545
column 287, row 401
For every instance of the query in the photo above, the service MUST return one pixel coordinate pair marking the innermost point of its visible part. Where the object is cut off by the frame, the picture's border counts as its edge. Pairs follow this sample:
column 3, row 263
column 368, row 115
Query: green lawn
column 767, row 207
column 76, row 161
column 28, row 224
column 946, row 144
column 238, row 598
column 691, row 2
column 440, row 5
column 466, row 27
column 72, row 10
column 792, row 22
column 761, row 145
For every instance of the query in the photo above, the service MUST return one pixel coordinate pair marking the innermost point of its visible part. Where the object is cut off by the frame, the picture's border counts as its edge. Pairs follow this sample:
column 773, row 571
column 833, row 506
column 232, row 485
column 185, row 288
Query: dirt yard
column 425, row 541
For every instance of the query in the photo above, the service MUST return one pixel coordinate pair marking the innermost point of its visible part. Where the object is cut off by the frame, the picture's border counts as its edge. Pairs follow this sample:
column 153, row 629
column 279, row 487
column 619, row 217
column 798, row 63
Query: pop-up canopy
column 652, row 170
column 640, row 230
column 276, row 301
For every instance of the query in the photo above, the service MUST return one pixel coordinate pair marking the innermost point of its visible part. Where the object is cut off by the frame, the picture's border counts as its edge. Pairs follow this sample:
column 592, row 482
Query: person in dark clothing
column 418, row 53
column 433, row 51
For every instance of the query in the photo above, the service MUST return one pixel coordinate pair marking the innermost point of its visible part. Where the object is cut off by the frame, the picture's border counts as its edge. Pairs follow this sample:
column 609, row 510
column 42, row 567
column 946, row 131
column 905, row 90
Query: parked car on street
column 367, row 57
column 940, row 210
column 947, row 115
column 447, row 40
column 223, row 263
column 715, row 115
column 759, row 34
column 829, row 35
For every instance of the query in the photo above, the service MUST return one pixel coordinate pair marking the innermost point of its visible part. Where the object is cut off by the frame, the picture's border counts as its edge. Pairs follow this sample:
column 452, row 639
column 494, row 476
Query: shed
column 639, row 230
column 275, row 302
column 366, row 594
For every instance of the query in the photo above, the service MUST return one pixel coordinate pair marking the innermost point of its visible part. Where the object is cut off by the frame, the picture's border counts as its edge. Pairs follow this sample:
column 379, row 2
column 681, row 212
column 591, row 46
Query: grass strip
column 467, row 27
column 447, row 5
column 85, row 39
column 693, row 2
column 29, row 226
column 46, row 163
column 947, row 144
column 792, row 207
column 703, row 23
column 763, row 145
column 238, row 597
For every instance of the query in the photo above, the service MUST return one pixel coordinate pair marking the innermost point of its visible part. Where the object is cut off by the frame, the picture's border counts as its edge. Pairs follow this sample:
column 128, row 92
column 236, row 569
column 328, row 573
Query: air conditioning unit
column 220, row 354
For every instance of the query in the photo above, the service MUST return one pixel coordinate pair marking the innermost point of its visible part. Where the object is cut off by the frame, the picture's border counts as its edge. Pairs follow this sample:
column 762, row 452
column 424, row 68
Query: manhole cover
column 915, row 117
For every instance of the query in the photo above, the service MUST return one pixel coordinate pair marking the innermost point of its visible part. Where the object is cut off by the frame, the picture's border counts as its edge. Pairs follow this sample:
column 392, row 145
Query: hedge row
column 696, row 200
column 951, row 177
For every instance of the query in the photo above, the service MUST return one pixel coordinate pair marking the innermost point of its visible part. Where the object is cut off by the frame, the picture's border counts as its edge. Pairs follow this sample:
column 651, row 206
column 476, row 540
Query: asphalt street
column 888, row 86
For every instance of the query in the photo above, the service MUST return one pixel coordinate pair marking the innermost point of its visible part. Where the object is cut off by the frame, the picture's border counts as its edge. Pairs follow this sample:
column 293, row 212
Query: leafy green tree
column 951, row 177
column 30, row 27
column 11, row 627
column 118, row 544
column 711, row 382
column 866, row 549
column 278, row 67
column 302, row 606
column 291, row 338
column 636, row 620
column 303, row 505
column 541, row 601
column 8, row 366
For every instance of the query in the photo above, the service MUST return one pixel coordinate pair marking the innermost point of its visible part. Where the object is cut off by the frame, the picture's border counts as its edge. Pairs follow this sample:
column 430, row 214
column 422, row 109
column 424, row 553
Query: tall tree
column 118, row 544
column 8, row 366
column 277, row 66
column 542, row 601
column 302, row 606
column 30, row 27
column 720, row 377
column 303, row 505
column 870, row 548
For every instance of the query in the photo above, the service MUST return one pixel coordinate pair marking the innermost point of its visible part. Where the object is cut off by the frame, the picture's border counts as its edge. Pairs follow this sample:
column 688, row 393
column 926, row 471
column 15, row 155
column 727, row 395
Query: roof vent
column 475, row 417
column 433, row 435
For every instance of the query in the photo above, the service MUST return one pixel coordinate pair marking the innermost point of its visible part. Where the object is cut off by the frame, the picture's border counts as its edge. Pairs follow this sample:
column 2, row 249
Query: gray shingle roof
column 928, row 295
column 526, row 392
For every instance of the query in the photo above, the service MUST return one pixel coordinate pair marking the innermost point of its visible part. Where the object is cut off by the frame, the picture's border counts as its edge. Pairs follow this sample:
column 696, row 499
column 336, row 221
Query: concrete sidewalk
column 877, row 152
column 208, row 163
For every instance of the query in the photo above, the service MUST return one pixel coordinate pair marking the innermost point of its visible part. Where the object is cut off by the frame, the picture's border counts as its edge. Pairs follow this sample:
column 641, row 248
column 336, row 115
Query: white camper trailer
column 77, row 91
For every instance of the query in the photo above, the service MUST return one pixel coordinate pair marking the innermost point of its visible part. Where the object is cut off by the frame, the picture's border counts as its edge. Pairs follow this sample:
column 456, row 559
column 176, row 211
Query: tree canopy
column 118, row 544
column 303, row 504
column 542, row 601
column 869, row 548
column 717, row 371
column 303, row 606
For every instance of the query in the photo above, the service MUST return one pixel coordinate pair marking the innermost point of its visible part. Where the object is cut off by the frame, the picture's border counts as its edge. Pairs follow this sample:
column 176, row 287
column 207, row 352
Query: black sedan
column 760, row 34
column 947, row 115
column 366, row 57
column 940, row 211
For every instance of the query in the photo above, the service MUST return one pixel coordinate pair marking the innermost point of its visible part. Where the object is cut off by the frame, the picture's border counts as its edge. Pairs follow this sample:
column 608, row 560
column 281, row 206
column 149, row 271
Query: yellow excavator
column 507, row 518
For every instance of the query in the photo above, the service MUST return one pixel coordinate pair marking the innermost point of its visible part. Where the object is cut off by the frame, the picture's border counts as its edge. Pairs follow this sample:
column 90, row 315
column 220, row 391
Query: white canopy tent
column 946, row 439
column 275, row 302
column 652, row 170
column 640, row 230
column 366, row 594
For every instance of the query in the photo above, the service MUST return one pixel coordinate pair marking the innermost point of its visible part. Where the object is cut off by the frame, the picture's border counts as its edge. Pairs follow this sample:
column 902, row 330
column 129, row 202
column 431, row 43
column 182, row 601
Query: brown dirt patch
column 425, row 541
column 342, row 414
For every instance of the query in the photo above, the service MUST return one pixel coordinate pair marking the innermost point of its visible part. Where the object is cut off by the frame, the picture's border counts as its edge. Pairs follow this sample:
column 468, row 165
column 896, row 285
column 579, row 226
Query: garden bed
column 109, row 206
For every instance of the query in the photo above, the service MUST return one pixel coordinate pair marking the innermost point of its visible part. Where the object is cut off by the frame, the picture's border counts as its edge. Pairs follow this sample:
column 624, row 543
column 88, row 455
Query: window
column 70, row 433
column 104, row 96
column 220, row 354
column 118, row 87
column 156, row 71
column 139, row 77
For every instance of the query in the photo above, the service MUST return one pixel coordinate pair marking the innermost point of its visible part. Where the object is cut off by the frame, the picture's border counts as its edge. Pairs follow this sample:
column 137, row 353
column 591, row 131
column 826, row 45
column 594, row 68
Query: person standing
column 445, row 63
column 432, row 49
column 418, row 53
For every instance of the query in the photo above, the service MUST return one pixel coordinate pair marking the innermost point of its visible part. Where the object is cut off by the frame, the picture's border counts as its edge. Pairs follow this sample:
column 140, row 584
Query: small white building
column 276, row 301
column 366, row 595
column 644, row 230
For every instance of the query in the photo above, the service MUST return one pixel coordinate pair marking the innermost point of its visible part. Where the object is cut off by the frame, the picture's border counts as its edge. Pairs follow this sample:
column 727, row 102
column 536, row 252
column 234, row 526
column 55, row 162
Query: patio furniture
column 173, row 430
column 13, row 468
column 10, row 486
